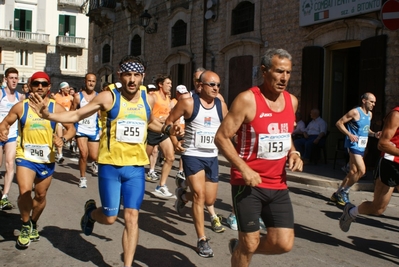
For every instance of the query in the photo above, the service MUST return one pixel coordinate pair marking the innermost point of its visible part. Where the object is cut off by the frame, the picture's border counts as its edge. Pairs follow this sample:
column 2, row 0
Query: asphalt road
column 167, row 239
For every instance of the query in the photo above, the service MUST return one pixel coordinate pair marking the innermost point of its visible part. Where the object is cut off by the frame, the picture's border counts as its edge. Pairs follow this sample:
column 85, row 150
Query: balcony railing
column 73, row 3
column 70, row 41
column 22, row 36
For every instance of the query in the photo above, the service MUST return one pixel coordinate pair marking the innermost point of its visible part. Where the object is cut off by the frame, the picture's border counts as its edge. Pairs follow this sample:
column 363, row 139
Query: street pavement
column 167, row 239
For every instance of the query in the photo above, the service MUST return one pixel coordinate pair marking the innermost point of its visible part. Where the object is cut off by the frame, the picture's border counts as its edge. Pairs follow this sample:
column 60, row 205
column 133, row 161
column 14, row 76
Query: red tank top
column 264, row 143
column 394, row 140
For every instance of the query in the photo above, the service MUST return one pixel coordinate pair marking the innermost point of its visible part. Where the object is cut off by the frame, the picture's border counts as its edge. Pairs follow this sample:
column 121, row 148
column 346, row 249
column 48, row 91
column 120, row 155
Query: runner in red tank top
column 263, row 119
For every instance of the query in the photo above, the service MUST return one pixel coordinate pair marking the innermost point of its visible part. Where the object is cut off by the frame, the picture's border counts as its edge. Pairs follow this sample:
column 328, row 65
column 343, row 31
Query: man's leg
column 169, row 154
column 59, row 131
column 210, row 198
column 152, row 153
column 197, row 197
column 382, row 196
column 93, row 154
column 39, row 200
column 130, row 235
column 9, row 150
column 84, row 154
column 276, row 241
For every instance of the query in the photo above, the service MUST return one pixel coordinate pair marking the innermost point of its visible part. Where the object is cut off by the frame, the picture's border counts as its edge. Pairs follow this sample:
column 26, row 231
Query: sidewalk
column 322, row 175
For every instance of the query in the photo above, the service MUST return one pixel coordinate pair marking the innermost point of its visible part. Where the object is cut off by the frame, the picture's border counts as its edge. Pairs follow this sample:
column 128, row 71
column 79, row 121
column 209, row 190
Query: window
column 68, row 62
column 23, row 20
column 179, row 33
column 135, row 46
column 23, row 58
column 67, row 25
column 106, row 58
column 242, row 18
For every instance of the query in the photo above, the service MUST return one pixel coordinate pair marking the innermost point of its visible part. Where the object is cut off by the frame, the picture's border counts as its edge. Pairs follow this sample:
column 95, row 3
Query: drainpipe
column 204, row 36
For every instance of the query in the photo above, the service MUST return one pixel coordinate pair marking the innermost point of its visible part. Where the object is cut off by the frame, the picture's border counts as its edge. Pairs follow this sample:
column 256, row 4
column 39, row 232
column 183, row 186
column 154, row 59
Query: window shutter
column 72, row 25
column 17, row 19
column 61, row 25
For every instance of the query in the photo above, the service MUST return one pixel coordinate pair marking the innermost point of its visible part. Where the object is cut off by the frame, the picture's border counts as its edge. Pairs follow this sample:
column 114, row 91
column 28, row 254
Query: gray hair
column 270, row 53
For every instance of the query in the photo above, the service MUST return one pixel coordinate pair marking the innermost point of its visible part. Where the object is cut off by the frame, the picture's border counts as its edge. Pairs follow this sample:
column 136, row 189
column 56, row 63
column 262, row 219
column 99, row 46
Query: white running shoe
column 83, row 182
column 163, row 191
column 94, row 168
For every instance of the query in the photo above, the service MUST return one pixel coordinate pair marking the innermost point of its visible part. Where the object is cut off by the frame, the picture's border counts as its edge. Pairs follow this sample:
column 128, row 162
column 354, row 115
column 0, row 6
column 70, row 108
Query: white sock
column 82, row 178
column 213, row 216
column 4, row 196
column 151, row 171
column 354, row 212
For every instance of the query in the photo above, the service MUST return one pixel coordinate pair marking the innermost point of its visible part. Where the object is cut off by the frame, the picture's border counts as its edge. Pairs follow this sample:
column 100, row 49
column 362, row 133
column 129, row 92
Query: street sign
column 390, row 15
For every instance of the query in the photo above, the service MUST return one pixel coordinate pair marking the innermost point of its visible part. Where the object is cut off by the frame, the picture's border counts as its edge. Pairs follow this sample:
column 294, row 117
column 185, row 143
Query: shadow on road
column 71, row 243
column 8, row 223
column 160, row 257
column 379, row 249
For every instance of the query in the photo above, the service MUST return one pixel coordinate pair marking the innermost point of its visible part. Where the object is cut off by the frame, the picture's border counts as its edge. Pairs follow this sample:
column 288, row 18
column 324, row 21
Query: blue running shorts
column 117, row 181
column 43, row 170
column 192, row 165
column 13, row 139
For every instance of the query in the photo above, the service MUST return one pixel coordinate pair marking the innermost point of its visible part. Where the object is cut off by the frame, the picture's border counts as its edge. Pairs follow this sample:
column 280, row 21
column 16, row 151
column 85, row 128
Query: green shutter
column 72, row 25
column 17, row 18
column 28, row 21
column 61, row 27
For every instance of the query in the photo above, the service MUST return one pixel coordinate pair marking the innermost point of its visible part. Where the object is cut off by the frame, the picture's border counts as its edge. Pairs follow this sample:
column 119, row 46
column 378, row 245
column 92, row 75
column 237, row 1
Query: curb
column 318, row 180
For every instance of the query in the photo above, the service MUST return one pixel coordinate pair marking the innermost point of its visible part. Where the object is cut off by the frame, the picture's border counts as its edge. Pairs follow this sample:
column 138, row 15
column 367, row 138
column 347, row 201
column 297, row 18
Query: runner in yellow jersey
column 35, row 154
column 125, row 115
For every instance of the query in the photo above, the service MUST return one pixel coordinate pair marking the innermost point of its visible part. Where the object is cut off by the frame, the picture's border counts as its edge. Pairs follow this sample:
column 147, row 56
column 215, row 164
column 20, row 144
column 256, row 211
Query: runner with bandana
column 126, row 114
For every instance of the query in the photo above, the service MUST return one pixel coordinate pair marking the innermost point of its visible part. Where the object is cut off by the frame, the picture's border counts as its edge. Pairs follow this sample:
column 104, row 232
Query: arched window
column 106, row 58
column 135, row 46
column 179, row 33
column 242, row 18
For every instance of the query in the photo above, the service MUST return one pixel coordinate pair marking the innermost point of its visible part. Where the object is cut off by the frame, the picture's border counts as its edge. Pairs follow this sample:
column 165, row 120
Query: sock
column 151, row 171
column 354, row 212
column 346, row 189
column 26, row 223
column 213, row 216
column 34, row 223
column 202, row 238
column 4, row 196
column 82, row 178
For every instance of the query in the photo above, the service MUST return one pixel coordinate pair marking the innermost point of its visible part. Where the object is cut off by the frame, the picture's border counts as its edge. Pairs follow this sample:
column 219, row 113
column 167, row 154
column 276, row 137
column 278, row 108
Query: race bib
column 362, row 143
column 37, row 153
column 205, row 139
column 273, row 146
column 131, row 131
column 88, row 123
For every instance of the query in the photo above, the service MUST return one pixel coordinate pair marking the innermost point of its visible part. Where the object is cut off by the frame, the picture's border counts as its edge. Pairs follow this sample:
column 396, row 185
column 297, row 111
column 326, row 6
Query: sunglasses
column 212, row 84
column 36, row 84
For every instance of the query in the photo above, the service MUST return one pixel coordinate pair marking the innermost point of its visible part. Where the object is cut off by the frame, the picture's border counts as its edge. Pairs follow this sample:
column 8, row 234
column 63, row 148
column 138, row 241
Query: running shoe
column 180, row 203
column 346, row 219
column 232, row 221
column 86, row 223
column 334, row 198
column 83, row 182
column 216, row 225
column 24, row 236
column 60, row 160
column 180, row 182
column 34, row 235
column 203, row 248
column 94, row 168
column 152, row 177
column 233, row 243
column 180, row 175
column 5, row 204
column 343, row 198
column 163, row 191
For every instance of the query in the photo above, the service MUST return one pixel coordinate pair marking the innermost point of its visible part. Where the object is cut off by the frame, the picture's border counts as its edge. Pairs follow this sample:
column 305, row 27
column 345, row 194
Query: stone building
column 45, row 35
column 340, row 48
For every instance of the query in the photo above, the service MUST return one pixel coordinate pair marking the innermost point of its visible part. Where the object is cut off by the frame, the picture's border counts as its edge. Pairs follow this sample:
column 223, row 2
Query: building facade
column 45, row 35
column 340, row 48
